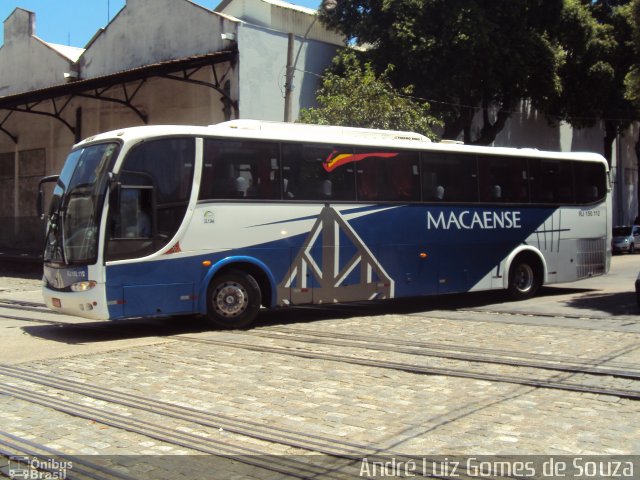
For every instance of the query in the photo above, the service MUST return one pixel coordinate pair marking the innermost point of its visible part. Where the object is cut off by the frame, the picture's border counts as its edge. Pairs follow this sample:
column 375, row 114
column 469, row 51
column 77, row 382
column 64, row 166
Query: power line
column 477, row 108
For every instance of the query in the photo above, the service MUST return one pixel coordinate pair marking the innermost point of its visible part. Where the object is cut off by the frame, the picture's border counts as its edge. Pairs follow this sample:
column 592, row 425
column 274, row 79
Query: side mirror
column 40, row 199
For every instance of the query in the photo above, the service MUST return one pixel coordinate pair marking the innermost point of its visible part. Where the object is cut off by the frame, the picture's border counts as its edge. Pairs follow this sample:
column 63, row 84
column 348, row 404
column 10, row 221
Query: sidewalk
column 20, row 276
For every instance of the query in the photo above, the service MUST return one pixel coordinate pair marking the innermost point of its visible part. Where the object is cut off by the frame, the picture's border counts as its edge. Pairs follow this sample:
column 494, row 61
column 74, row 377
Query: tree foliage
column 632, row 81
column 465, row 54
column 351, row 94
column 595, row 37
column 588, row 47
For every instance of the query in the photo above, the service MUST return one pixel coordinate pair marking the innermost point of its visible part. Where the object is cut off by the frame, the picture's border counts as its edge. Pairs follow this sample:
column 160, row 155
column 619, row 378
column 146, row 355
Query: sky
column 75, row 22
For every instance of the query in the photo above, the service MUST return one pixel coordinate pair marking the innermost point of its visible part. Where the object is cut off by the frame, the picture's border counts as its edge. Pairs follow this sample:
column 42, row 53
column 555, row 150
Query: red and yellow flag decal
column 336, row 159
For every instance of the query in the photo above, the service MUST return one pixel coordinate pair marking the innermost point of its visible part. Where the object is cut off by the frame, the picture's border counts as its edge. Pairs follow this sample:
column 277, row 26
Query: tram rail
column 197, row 443
column 561, row 363
column 420, row 369
column 460, row 353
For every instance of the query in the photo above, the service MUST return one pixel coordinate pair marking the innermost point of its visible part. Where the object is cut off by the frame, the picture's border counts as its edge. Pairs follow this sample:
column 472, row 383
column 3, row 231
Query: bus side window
column 551, row 181
column 449, row 177
column 387, row 175
column 503, row 179
column 404, row 173
column 369, row 178
column 240, row 169
column 135, row 218
column 315, row 172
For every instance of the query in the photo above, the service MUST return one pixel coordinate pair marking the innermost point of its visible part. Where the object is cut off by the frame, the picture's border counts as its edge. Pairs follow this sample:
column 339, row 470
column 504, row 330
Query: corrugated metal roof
column 158, row 69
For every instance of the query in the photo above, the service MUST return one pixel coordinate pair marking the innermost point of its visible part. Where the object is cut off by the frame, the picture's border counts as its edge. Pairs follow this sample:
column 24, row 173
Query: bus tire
column 233, row 300
column 525, row 277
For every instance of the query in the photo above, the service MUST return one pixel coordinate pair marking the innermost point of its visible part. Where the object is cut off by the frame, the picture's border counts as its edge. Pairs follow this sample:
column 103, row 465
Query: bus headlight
column 83, row 286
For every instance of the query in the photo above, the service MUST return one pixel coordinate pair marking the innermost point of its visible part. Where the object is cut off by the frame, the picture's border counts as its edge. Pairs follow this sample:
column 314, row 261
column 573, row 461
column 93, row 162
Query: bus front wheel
column 233, row 300
column 525, row 278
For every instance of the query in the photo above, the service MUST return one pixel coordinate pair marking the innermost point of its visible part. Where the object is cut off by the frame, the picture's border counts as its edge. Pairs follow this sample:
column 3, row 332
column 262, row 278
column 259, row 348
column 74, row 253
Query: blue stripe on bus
column 350, row 211
column 465, row 238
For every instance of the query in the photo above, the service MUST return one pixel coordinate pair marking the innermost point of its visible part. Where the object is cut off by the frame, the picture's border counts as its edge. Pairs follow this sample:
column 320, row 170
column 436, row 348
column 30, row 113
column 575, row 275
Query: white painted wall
column 281, row 16
column 26, row 62
column 263, row 60
column 145, row 32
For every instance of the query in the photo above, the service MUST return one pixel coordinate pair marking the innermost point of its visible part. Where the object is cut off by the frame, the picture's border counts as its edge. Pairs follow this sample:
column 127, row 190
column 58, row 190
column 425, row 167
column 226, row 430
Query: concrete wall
column 263, row 60
column 145, row 32
column 23, row 52
column 280, row 16
column 625, row 177
column 43, row 141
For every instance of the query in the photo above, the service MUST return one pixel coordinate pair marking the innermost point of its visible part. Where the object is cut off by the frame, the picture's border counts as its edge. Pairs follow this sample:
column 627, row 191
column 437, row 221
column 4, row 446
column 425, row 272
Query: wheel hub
column 524, row 278
column 231, row 299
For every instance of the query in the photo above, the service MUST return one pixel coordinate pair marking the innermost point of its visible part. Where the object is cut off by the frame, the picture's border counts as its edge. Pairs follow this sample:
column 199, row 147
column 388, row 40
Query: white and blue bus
column 220, row 221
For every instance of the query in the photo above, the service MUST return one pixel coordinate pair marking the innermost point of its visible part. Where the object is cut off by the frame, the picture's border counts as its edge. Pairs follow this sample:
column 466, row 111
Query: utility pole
column 288, row 83
column 326, row 5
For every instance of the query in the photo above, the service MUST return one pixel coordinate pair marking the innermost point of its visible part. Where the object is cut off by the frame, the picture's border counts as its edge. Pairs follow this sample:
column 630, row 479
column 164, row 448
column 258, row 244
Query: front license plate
column 56, row 302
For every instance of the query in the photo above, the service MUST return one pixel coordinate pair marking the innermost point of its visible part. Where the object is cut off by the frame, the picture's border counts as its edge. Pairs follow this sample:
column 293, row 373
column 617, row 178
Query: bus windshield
column 76, row 205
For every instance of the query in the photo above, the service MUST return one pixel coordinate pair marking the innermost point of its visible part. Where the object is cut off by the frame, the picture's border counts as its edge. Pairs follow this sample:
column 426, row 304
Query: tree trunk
column 489, row 130
column 453, row 128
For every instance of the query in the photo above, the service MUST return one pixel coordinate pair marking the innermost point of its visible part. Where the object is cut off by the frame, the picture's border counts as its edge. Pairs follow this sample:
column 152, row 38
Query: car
column 638, row 289
column 624, row 239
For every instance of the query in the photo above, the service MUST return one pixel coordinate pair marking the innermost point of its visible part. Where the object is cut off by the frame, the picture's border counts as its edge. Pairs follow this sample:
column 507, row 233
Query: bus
column 224, row 220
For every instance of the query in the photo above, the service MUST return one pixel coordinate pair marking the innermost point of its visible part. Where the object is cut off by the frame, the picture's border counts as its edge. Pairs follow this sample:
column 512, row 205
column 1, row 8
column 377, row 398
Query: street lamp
column 326, row 5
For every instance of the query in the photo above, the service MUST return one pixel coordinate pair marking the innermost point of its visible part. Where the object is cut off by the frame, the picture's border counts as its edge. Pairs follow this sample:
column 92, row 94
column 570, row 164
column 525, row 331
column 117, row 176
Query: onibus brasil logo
column 26, row 467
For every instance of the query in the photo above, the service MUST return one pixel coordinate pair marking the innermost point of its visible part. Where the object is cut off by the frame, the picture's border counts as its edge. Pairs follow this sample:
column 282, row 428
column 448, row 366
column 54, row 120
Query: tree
column 352, row 95
column 468, row 55
column 595, row 38
column 632, row 81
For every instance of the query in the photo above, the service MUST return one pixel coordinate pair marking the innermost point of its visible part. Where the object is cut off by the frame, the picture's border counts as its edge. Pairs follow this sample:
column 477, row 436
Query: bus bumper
column 91, row 304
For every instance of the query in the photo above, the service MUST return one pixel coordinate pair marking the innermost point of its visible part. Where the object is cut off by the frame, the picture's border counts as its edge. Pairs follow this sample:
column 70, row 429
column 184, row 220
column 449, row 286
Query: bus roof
column 298, row 132
column 323, row 131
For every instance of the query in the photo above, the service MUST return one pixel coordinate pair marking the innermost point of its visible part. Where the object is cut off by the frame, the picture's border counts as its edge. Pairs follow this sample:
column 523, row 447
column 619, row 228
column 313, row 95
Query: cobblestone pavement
column 251, row 393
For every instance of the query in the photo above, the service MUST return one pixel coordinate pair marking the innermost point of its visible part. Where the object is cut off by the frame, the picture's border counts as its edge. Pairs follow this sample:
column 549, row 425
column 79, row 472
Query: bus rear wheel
column 525, row 278
column 233, row 300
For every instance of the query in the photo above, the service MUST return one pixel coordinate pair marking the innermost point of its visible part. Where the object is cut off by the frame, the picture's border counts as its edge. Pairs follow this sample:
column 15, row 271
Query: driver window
column 135, row 216
column 155, row 186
